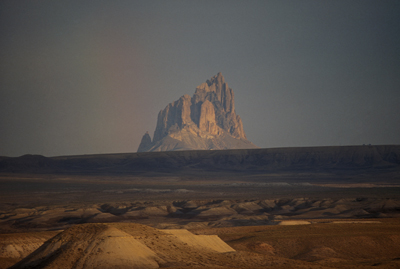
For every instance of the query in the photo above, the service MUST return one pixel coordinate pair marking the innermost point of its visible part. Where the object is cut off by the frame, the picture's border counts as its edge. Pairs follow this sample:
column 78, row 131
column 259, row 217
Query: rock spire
column 145, row 143
column 205, row 121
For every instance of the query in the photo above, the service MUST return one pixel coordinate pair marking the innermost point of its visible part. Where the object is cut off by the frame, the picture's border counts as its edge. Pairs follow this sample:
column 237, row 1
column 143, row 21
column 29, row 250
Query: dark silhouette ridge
column 310, row 159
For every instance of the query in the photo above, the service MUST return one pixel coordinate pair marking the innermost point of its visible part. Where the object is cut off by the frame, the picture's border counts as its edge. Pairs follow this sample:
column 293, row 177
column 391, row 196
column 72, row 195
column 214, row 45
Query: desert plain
column 327, row 207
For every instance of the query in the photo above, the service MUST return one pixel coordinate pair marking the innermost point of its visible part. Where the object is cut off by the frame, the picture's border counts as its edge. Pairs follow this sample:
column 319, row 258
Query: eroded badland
column 329, row 207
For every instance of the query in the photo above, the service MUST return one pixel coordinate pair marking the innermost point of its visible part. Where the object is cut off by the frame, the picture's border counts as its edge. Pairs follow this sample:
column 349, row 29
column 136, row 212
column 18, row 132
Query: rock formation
column 205, row 121
column 145, row 143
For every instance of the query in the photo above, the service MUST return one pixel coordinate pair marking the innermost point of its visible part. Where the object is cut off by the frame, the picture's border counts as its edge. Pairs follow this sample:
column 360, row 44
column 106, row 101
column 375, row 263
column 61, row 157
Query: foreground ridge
column 205, row 121
column 118, row 245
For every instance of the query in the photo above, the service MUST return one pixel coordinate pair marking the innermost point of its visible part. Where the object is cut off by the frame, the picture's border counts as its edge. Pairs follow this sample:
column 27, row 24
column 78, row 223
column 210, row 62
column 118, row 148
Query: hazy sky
column 83, row 77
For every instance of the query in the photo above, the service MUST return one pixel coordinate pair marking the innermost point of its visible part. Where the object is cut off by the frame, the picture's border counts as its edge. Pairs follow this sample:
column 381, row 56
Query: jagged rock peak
column 216, row 89
column 205, row 121
column 145, row 144
column 217, row 79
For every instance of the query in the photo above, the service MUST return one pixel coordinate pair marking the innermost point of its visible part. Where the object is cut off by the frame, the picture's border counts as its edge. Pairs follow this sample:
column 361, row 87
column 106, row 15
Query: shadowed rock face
column 205, row 121
column 145, row 143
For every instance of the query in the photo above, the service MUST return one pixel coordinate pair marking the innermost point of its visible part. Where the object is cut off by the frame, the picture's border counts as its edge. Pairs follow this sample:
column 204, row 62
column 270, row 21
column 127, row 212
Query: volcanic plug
column 206, row 121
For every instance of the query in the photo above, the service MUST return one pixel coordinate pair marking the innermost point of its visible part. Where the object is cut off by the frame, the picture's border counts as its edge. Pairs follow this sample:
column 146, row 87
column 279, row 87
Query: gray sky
column 83, row 77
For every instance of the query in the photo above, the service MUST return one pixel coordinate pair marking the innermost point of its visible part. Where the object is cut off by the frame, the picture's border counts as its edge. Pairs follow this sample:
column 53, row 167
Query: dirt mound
column 14, row 247
column 261, row 247
column 203, row 241
column 118, row 245
column 318, row 253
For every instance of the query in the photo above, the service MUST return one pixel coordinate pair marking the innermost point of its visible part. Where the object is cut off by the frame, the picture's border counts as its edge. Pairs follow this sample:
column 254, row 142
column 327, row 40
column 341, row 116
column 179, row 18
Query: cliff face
column 205, row 121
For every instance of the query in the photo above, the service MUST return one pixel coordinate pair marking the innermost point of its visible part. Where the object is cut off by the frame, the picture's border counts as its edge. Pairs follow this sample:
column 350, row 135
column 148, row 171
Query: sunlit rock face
column 205, row 121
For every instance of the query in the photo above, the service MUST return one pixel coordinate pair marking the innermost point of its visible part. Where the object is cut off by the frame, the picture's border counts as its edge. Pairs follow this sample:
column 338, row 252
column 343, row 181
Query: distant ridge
column 310, row 159
column 205, row 121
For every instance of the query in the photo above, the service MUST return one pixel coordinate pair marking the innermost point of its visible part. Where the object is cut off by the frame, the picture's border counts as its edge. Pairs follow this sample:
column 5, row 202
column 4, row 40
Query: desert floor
column 273, row 221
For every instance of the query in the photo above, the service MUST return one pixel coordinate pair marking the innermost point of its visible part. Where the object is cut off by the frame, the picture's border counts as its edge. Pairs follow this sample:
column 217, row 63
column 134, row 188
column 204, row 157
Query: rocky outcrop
column 145, row 143
column 205, row 121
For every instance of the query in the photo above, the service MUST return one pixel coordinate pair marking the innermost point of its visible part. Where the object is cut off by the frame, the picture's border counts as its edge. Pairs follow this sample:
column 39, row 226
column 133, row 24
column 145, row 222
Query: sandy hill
column 120, row 245
column 319, row 244
column 16, row 246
